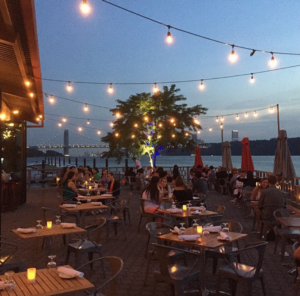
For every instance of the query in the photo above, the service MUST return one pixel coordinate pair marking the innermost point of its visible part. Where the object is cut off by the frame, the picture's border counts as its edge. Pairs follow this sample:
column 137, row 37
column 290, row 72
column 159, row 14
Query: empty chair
column 222, row 252
column 173, row 273
column 241, row 273
column 70, row 214
column 87, row 242
column 212, row 219
column 126, row 208
column 111, row 267
column 149, row 216
column 284, row 233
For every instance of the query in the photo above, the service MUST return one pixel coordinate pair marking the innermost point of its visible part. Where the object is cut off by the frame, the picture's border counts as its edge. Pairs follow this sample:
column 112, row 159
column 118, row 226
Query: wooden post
column 94, row 162
column 106, row 163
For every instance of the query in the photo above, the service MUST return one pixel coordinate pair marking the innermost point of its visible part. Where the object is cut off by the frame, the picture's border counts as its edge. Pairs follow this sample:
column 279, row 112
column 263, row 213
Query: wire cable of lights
column 253, row 50
column 91, row 119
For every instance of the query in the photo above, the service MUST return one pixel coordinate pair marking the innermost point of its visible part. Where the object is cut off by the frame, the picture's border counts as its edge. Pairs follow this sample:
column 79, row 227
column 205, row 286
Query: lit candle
column 49, row 224
column 57, row 180
column 31, row 272
column 90, row 187
column 199, row 229
column 184, row 208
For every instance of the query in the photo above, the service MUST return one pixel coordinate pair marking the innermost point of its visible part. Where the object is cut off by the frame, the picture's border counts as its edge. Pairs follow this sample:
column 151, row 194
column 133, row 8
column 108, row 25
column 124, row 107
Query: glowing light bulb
column 155, row 88
column 41, row 116
column 64, row 119
column 59, row 124
column 31, row 94
column 221, row 126
column 160, row 125
column 51, row 100
column 110, row 90
column 80, row 129
column 37, row 119
column 199, row 132
column 2, row 116
column 169, row 38
column 146, row 118
column 85, row 7
column 27, row 83
column 246, row 114
column 237, row 117
column 201, row 86
column 186, row 134
column 173, row 135
column 88, row 122
column 217, row 119
column 111, row 124
column 272, row 62
column 159, row 136
column 118, row 114
column 252, row 80
column 15, row 112
column 69, row 87
column 210, row 129
column 271, row 110
column 196, row 121
column 85, row 108
column 172, row 120
column 99, row 132
column 132, row 136
column 135, row 125
column 233, row 56
column 222, row 118
column 116, row 135
column 255, row 114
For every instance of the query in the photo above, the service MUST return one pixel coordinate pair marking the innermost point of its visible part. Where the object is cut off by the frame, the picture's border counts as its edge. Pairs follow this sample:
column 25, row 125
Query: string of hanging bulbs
column 233, row 57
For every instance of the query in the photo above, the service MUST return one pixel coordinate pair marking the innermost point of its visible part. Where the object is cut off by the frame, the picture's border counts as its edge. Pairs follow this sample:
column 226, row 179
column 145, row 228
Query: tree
column 147, row 123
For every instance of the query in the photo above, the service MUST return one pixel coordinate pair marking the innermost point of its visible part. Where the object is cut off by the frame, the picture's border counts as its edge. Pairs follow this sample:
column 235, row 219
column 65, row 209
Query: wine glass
column 225, row 227
column 39, row 226
column 51, row 264
column 9, row 279
column 182, row 227
column 195, row 224
column 58, row 221
column 173, row 205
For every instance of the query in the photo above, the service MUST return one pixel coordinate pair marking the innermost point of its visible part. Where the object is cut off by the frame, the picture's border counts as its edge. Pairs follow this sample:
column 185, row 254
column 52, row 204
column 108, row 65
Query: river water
column 261, row 163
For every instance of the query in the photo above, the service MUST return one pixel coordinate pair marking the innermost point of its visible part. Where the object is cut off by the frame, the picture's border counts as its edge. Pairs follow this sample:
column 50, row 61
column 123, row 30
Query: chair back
column 155, row 229
column 53, row 212
column 111, row 267
column 282, row 213
column 233, row 226
column 93, row 230
column 219, row 209
column 200, row 197
column 127, row 197
column 7, row 250
column 116, row 208
column 139, row 181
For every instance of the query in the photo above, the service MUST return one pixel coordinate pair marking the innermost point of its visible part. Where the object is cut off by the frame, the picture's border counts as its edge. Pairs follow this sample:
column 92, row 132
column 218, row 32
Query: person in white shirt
column 138, row 164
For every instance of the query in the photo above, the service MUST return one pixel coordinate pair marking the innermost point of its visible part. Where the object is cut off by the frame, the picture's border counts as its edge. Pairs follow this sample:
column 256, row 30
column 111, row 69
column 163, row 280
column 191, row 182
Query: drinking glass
column 182, row 227
column 57, row 221
column 79, row 202
column 88, row 193
column 195, row 224
column 225, row 227
column 51, row 264
column 39, row 225
column 202, row 204
column 9, row 279
column 173, row 205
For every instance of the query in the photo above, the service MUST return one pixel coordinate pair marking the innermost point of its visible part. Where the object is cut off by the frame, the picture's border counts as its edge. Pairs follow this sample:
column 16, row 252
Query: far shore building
column 235, row 136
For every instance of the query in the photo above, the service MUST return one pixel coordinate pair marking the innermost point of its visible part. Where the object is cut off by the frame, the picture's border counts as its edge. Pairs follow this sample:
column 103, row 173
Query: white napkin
column 198, row 208
column 26, row 230
column 81, row 196
column 224, row 236
column 189, row 237
column 174, row 210
column 96, row 203
column 69, row 272
column 177, row 230
column 69, row 205
column 3, row 285
column 213, row 228
column 68, row 225
column 106, row 194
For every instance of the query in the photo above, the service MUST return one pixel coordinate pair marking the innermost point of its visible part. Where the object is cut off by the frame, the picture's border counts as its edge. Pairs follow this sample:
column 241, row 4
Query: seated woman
column 263, row 184
column 152, row 196
column 104, row 179
column 96, row 174
column 163, row 187
column 181, row 191
column 69, row 189
column 113, row 185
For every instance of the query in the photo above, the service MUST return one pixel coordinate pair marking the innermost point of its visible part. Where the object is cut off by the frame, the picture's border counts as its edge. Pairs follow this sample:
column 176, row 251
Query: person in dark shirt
column 200, row 185
column 222, row 174
column 181, row 191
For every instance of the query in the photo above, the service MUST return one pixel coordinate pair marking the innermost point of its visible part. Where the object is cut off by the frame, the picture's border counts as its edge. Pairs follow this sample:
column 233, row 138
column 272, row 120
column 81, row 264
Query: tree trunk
column 154, row 158
column 150, row 159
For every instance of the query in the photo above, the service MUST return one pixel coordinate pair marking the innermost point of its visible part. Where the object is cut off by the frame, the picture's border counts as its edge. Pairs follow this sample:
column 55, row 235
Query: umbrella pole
column 278, row 123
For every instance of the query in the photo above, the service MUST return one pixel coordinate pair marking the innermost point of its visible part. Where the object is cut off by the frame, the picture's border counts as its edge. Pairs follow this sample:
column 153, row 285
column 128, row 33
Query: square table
column 289, row 221
column 47, row 283
column 95, row 197
column 205, row 242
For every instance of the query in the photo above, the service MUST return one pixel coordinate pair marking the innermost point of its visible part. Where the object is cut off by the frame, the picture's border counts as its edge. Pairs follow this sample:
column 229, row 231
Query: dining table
column 96, row 197
column 289, row 221
column 47, row 282
column 208, row 241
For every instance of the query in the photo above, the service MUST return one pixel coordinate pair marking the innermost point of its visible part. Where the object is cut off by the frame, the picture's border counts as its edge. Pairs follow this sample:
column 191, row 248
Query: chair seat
column 113, row 218
column 243, row 270
column 177, row 273
column 14, row 263
column 84, row 245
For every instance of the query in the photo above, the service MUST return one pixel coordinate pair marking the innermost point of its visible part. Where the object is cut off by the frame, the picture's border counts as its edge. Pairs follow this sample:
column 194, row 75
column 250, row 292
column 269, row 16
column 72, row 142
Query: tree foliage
column 147, row 123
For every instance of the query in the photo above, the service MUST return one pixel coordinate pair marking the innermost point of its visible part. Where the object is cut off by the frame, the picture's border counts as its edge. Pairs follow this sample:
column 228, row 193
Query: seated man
column 271, row 199
column 200, row 185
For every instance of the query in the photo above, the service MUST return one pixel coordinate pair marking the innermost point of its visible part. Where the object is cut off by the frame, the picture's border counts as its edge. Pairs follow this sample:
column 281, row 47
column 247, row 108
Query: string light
column 221, row 126
column 255, row 114
column 41, row 116
column 173, row 135
column 146, row 118
column 160, row 124
column 217, row 119
column 31, row 94
column 169, row 38
column 272, row 62
column 118, row 114
column 111, row 124
column 132, row 136
column 246, row 114
column 85, row 108
column 51, row 100
column 222, row 118
column 88, row 122
column 37, row 119
column 159, row 136
column 233, row 56
column 15, row 112
column 116, row 135
column 69, row 87
column 252, row 80
column 201, row 86
column 80, row 129
column 85, row 7
column 155, row 88
column 187, row 134
column 59, row 124
column 172, row 120
column 271, row 109
column 198, row 132
column 196, row 121
column 99, row 132
column 237, row 117
column 27, row 83
column 64, row 119
column 210, row 129
column 135, row 125
column 110, row 90
column 2, row 116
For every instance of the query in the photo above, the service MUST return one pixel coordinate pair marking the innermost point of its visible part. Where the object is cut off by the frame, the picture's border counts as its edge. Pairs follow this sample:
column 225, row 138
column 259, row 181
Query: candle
column 49, row 224
column 31, row 272
column 57, row 180
column 90, row 187
column 199, row 229
column 184, row 208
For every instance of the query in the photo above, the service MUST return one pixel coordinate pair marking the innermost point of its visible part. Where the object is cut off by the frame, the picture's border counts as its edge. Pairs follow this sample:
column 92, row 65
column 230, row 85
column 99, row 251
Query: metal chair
column 149, row 216
column 212, row 219
column 87, row 242
column 111, row 266
column 241, row 273
column 222, row 252
column 175, row 274
column 126, row 209
column 284, row 233
column 245, row 200
column 71, row 214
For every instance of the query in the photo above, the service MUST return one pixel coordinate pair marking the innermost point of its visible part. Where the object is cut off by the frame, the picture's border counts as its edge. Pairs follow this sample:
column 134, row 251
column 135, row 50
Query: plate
column 222, row 238
column 67, row 277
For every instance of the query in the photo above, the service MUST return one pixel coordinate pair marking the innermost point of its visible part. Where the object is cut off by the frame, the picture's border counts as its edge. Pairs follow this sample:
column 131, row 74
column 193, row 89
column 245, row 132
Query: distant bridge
column 70, row 146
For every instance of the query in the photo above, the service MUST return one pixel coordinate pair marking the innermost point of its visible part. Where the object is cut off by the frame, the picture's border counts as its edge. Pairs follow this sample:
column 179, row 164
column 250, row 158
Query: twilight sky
column 111, row 45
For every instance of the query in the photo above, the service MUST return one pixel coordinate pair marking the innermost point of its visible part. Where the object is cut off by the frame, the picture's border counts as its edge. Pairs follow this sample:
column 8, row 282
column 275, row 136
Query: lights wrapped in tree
column 150, row 123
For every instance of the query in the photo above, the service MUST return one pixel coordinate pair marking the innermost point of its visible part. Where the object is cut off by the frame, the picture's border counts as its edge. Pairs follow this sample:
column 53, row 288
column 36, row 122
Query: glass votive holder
column 184, row 208
column 205, row 232
column 199, row 229
column 49, row 224
column 31, row 274
column 90, row 187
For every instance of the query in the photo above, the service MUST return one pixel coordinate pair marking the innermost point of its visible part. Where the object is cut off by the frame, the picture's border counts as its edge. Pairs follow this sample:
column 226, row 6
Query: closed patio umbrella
column 226, row 156
column 198, row 159
column 247, row 163
column 283, row 164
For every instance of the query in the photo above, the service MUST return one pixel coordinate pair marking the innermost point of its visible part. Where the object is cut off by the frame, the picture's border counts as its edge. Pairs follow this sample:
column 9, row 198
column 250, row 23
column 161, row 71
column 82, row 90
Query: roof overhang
column 19, row 60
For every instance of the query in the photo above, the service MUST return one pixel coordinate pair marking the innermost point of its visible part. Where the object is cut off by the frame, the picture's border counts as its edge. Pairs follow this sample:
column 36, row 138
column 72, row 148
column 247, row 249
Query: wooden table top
column 206, row 241
column 188, row 214
column 101, row 189
column 290, row 221
column 83, row 207
column 94, row 197
column 55, row 230
column 47, row 283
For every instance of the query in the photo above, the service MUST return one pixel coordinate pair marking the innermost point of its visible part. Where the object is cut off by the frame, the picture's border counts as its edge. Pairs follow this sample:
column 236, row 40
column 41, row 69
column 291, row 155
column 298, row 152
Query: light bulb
column 110, row 90
column 118, row 114
column 237, row 117
column 169, row 38
column 135, row 125
column 69, row 87
column 217, row 119
column 41, row 116
column 37, row 119
column 64, row 119
column 198, row 132
column 272, row 62
column 159, row 136
column 160, row 125
column 15, row 112
column 221, row 126
column 146, row 118
column 111, row 124
column 233, row 56
column 246, row 114
column 172, row 120
column 51, row 100
column 155, row 88
column 2, row 116
column 80, row 129
column 27, row 83
column 252, row 80
column 85, row 7
column 85, row 108
column 116, row 135
column 271, row 110
column 201, row 86
column 255, row 114
column 99, row 132
column 186, row 134
column 31, row 94
column 132, row 136
column 196, row 121
column 88, row 122
column 222, row 118
column 173, row 135
column 59, row 124
column 210, row 129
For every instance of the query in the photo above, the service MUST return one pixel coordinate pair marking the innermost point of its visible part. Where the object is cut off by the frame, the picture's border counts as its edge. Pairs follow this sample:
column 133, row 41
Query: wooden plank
column 83, row 207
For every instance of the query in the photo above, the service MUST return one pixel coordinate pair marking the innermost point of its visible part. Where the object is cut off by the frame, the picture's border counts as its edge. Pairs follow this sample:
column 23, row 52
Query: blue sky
column 112, row 45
